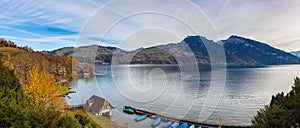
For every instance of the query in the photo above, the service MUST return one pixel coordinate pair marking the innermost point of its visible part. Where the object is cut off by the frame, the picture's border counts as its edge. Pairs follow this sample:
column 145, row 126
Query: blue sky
column 130, row 24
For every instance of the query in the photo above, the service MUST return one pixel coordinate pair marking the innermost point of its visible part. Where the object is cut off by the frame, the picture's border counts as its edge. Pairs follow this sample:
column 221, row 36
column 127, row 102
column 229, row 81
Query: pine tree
column 11, row 98
column 283, row 111
column 17, row 110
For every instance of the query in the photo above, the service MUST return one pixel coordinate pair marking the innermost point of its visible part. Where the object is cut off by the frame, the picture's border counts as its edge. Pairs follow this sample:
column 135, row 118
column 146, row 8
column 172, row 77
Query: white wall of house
column 104, row 111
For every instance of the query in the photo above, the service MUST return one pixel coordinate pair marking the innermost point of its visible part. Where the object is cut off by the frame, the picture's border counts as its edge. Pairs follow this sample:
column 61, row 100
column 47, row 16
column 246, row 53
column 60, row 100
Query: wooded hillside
column 29, row 96
column 22, row 59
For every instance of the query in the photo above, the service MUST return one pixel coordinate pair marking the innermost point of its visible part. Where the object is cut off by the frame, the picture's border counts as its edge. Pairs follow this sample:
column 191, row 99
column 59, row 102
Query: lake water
column 234, row 94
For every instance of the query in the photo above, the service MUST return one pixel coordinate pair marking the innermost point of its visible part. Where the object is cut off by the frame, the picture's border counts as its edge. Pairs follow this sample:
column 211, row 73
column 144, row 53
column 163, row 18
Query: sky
column 131, row 24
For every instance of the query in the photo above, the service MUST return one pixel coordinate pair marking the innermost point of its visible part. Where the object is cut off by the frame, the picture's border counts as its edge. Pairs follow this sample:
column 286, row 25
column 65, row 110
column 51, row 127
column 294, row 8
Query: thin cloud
column 216, row 19
column 51, row 22
column 66, row 40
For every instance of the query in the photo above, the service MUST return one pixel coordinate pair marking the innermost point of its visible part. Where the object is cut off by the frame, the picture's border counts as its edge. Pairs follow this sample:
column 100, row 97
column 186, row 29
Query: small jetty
column 165, row 118
column 64, row 95
column 74, row 106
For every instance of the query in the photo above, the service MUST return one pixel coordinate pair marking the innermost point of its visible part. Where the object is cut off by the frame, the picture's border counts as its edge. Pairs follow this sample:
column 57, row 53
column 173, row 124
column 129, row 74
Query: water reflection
column 184, row 93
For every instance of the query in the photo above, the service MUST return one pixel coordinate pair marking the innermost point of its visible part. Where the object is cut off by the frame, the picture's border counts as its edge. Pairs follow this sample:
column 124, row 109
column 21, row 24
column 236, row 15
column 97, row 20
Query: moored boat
column 192, row 126
column 175, row 125
column 140, row 117
column 168, row 124
column 184, row 125
column 128, row 110
column 156, row 122
column 165, row 118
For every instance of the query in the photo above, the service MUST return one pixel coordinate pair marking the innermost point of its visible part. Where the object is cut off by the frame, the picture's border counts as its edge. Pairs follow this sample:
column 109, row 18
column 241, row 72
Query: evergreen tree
column 18, row 110
column 283, row 111
column 11, row 98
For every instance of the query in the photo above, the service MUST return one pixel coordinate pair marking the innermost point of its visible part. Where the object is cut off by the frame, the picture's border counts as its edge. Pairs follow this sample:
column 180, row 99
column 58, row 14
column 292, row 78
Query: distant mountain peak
column 238, row 50
column 233, row 39
column 239, row 39
column 257, row 52
column 196, row 39
column 236, row 36
column 296, row 53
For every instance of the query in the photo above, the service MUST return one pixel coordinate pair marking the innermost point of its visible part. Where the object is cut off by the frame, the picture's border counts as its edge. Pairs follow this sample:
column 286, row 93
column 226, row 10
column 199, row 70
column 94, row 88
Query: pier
column 139, row 111
column 75, row 106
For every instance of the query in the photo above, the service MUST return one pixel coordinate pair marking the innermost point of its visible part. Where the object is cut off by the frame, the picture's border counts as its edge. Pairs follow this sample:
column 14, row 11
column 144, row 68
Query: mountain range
column 235, row 50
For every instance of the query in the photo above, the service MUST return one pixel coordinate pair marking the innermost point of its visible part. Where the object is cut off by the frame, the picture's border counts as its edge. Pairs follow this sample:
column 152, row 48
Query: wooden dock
column 139, row 111
column 75, row 106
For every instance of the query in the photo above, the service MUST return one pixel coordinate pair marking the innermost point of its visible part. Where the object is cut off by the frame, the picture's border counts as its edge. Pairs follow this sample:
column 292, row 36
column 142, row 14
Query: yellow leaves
column 68, row 60
column 41, row 88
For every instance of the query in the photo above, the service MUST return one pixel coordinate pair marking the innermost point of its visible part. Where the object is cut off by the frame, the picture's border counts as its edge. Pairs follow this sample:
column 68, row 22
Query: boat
column 140, row 117
column 179, row 121
column 184, row 125
column 128, row 110
column 175, row 125
column 168, row 124
column 156, row 122
column 192, row 126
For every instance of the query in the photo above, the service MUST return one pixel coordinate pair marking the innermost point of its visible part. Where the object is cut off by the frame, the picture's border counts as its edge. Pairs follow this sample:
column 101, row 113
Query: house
column 98, row 106
column 86, row 74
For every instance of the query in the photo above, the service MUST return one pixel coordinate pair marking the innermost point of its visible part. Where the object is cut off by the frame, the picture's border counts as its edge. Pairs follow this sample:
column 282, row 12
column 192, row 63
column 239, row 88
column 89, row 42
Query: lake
column 233, row 94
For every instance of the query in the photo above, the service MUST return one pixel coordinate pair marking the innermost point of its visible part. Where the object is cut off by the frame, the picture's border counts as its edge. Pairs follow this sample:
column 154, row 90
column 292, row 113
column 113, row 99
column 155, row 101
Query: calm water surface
column 234, row 94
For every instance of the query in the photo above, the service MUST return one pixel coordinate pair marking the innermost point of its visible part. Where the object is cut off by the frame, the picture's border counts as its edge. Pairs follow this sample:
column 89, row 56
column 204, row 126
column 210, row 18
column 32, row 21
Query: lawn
column 104, row 122
column 101, row 122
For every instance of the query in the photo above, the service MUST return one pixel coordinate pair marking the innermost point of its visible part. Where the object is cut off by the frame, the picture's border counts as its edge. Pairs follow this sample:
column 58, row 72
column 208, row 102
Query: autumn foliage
column 21, row 61
column 40, row 88
column 20, row 110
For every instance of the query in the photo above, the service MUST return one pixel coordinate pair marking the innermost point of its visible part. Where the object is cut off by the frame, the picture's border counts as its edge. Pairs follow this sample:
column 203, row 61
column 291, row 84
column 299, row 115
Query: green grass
column 72, row 113
column 104, row 122
column 63, row 89
column 101, row 122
